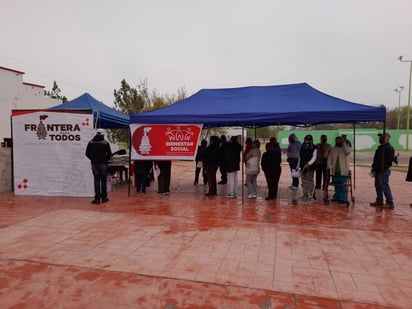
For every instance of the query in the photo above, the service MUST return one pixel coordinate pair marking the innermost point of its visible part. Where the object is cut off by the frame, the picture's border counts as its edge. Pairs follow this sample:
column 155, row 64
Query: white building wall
column 16, row 94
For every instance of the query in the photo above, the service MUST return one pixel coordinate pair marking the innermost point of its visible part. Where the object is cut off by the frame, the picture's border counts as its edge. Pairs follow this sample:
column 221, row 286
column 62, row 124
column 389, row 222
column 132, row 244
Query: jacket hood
column 293, row 137
column 98, row 137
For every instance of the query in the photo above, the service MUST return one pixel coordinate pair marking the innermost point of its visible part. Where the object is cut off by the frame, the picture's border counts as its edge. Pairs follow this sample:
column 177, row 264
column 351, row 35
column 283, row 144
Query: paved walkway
column 186, row 250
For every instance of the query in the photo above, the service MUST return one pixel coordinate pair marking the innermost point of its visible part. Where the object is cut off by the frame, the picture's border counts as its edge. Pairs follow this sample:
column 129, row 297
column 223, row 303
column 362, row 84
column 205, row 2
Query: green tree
column 130, row 100
column 127, row 99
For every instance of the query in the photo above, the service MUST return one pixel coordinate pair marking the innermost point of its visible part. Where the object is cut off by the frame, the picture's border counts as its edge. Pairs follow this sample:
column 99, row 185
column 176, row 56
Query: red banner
column 165, row 141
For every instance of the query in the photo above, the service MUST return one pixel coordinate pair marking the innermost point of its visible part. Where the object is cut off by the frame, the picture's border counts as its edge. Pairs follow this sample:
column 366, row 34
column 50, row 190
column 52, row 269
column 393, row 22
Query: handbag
column 295, row 173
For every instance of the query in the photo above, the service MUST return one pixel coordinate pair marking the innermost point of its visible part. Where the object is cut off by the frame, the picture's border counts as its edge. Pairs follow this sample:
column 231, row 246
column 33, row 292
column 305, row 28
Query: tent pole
column 96, row 120
column 243, row 163
column 354, row 157
column 130, row 161
column 12, row 155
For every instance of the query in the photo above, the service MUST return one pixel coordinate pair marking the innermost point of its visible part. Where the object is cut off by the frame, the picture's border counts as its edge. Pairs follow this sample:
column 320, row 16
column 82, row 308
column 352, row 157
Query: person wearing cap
column 381, row 167
column 99, row 153
column 307, row 159
column 293, row 158
column 338, row 165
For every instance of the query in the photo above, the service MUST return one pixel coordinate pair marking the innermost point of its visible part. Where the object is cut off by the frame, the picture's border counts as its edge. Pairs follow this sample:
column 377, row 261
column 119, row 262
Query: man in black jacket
column 212, row 157
column 99, row 152
column 381, row 167
column 231, row 159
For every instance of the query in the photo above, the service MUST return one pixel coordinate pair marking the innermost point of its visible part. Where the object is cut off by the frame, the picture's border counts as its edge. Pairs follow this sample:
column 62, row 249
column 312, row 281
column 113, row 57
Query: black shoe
column 269, row 198
column 105, row 200
column 388, row 206
column 96, row 202
column 210, row 194
column 222, row 182
column 376, row 204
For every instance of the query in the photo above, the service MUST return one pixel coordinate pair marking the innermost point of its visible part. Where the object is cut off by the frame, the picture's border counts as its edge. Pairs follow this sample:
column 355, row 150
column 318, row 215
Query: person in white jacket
column 252, row 159
column 339, row 168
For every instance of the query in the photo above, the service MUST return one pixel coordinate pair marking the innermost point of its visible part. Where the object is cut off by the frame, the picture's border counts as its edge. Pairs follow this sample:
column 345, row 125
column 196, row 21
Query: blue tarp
column 258, row 106
column 103, row 116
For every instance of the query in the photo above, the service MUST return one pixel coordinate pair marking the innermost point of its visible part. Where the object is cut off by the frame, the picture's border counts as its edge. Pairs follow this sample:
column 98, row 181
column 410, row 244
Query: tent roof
column 258, row 106
column 104, row 116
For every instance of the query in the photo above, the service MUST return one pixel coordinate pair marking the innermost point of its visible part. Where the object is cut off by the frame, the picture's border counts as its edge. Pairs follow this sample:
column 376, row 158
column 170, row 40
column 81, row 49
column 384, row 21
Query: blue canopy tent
column 259, row 106
column 103, row 116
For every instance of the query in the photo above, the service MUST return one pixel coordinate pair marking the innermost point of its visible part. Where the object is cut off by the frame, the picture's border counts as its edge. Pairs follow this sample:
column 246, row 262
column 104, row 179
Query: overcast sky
column 346, row 48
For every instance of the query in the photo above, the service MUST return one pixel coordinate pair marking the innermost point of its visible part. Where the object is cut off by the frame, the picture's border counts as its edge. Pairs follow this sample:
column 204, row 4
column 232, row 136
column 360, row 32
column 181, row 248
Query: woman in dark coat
column 164, row 176
column 212, row 157
column 200, row 165
column 270, row 163
column 141, row 170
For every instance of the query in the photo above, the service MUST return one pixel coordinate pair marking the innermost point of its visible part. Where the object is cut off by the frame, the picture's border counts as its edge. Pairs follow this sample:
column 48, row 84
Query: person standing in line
column 232, row 163
column 164, row 175
column 338, row 164
column 142, row 170
column 222, row 166
column 253, row 169
column 200, row 166
column 99, row 153
column 275, row 142
column 213, row 155
column 345, row 138
column 271, row 166
column 248, row 146
column 323, row 151
column 381, row 167
column 293, row 158
column 409, row 173
column 307, row 159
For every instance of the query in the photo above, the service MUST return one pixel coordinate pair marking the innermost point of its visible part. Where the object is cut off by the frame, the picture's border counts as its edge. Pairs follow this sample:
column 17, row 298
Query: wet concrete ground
column 187, row 250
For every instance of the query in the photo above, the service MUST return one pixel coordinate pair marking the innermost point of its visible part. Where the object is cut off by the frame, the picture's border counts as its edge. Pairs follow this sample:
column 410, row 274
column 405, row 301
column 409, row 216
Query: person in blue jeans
column 99, row 153
column 381, row 167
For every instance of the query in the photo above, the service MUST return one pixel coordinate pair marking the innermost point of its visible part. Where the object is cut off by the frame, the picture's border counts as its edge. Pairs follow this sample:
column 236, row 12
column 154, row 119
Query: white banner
column 49, row 153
